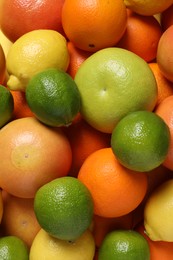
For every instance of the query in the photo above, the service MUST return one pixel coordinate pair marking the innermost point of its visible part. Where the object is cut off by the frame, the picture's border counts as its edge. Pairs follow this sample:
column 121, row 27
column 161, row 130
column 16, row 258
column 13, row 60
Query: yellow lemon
column 158, row 213
column 47, row 247
column 32, row 53
column 148, row 7
column 5, row 43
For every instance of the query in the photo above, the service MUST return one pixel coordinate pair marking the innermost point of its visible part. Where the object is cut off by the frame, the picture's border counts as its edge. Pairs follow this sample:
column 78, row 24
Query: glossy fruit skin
column 141, row 141
column 21, row 16
column 2, row 65
column 64, row 208
column 164, row 53
column 95, row 24
column 6, row 106
column 53, row 97
column 118, row 81
column 124, row 244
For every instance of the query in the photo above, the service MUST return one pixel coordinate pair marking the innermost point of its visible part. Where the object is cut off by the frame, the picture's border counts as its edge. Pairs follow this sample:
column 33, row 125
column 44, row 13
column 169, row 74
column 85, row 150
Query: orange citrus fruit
column 165, row 111
column 116, row 190
column 166, row 18
column 19, row 218
column 84, row 140
column 34, row 154
column 77, row 56
column 165, row 87
column 20, row 16
column 95, row 24
column 141, row 36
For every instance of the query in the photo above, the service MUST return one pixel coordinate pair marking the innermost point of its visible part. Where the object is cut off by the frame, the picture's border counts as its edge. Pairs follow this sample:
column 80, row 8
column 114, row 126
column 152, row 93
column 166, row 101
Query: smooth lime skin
column 64, row 208
column 6, row 105
column 113, row 82
column 13, row 248
column 141, row 141
column 124, row 245
column 53, row 97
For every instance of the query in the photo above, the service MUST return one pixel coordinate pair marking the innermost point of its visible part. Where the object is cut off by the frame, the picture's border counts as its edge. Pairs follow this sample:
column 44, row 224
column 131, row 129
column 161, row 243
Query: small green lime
column 53, row 97
column 140, row 141
column 64, row 208
column 13, row 248
column 124, row 245
column 6, row 105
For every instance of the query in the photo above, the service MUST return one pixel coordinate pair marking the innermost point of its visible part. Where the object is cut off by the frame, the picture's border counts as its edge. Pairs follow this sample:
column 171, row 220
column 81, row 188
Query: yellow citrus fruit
column 64, row 208
column 53, row 97
column 6, row 106
column 33, row 52
column 5, row 43
column 47, row 247
column 148, row 7
column 158, row 213
column 2, row 65
column 124, row 244
column 113, row 82
column 12, row 247
column 141, row 141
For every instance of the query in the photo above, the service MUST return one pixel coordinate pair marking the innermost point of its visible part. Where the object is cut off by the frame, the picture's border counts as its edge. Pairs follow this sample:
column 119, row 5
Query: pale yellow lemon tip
column 14, row 83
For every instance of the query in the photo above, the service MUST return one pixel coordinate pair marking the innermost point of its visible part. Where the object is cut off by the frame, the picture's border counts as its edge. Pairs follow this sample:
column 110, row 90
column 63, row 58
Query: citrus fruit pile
column 86, row 132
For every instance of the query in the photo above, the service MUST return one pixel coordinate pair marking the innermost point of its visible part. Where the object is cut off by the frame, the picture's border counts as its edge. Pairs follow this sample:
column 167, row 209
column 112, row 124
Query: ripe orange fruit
column 159, row 250
column 95, row 24
column 84, row 140
column 21, row 108
column 77, row 56
column 167, row 18
column 165, row 111
column 116, row 190
column 19, row 218
column 141, row 36
column 34, row 155
column 165, row 87
column 18, row 17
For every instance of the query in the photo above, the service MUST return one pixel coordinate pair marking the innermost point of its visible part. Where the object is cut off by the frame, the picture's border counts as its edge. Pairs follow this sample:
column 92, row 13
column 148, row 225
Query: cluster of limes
column 82, row 159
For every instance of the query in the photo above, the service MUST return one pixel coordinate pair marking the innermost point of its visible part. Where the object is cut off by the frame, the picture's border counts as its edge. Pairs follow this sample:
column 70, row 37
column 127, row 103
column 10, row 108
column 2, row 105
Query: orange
column 159, row 250
column 102, row 226
column 165, row 111
column 19, row 218
column 165, row 87
column 167, row 18
column 21, row 108
column 84, row 140
column 94, row 25
column 141, row 36
column 34, row 154
column 2, row 66
column 116, row 190
column 77, row 56
column 18, row 17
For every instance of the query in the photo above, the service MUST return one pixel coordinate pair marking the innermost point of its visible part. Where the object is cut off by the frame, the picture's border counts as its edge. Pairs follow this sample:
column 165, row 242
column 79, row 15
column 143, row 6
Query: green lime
column 140, row 141
column 53, row 97
column 124, row 245
column 113, row 82
column 64, row 208
column 6, row 105
column 13, row 248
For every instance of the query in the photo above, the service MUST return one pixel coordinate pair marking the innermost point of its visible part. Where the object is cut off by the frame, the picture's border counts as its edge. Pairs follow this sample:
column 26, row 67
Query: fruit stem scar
column 91, row 45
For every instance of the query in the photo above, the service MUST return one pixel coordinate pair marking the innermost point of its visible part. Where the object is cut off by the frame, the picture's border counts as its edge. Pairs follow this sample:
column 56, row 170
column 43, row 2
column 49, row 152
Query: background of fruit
column 86, row 132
